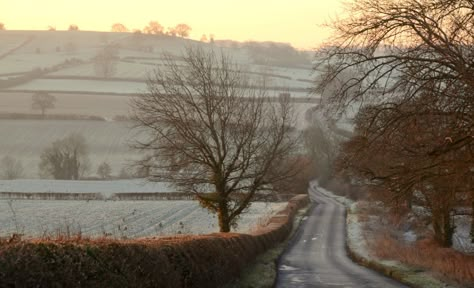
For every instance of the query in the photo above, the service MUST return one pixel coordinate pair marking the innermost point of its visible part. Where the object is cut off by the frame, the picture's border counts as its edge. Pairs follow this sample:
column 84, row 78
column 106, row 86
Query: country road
column 317, row 258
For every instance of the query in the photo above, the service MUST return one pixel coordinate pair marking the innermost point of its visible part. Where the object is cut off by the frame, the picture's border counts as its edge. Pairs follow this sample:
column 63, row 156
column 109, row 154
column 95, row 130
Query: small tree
column 153, row 28
column 119, row 27
column 210, row 132
column 182, row 30
column 42, row 101
column 2, row 26
column 105, row 61
column 10, row 168
column 65, row 159
column 104, row 170
column 73, row 27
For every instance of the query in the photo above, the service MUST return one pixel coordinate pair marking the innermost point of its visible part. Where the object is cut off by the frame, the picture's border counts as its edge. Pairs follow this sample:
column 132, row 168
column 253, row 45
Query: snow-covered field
column 123, row 70
column 107, row 106
column 131, row 219
column 106, row 188
column 82, row 85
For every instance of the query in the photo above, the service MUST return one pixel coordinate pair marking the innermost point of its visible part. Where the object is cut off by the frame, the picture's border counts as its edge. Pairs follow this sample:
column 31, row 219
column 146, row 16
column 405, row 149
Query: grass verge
column 262, row 272
column 406, row 274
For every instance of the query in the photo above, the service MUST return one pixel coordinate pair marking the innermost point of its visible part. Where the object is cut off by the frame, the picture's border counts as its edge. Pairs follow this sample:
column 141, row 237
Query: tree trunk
column 472, row 221
column 443, row 227
column 223, row 217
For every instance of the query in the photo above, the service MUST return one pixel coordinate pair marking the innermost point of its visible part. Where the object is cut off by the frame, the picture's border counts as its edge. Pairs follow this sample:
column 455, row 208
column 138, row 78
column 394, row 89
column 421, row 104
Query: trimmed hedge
column 186, row 261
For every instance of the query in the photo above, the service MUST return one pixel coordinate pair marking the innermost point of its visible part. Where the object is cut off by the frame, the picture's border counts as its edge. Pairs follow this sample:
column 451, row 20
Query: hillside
column 63, row 64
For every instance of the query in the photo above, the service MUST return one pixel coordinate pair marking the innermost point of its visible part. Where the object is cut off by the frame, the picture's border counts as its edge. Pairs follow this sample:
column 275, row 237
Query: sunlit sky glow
column 297, row 22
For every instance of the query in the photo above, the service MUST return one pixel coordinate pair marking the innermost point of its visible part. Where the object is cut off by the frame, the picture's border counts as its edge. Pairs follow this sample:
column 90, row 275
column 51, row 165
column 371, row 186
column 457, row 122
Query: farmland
column 130, row 219
column 105, row 188
column 62, row 63
column 107, row 141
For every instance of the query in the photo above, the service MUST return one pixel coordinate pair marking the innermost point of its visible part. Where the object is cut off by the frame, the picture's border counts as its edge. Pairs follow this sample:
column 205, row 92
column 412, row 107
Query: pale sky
column 293, row 21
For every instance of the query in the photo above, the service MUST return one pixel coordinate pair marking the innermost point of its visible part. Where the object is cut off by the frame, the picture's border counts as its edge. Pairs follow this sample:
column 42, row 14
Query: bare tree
column 73, row 27
column 10, row 168
column 401, row 164
column 42, row 101
column 119, row 27
column 105, row 61
column 210, row 134
column 65, row 159
column 153, row 27
column 414, row 81
column 104, row 170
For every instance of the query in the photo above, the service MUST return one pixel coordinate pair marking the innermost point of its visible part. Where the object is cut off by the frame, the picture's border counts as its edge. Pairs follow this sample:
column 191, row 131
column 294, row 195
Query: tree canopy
column 211, row 132
column 408, row 68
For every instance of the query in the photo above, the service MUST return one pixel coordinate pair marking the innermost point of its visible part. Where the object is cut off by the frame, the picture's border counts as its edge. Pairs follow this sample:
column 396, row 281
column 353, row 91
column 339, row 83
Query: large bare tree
column 412, row 70
column 211, row 132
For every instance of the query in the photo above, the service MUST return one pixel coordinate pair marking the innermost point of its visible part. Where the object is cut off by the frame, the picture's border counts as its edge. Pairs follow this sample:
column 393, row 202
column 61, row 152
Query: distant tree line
column 155, row 28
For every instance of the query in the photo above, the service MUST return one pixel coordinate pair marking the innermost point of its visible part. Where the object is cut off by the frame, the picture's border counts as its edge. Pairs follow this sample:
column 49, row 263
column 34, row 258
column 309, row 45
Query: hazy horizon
column 299, row 24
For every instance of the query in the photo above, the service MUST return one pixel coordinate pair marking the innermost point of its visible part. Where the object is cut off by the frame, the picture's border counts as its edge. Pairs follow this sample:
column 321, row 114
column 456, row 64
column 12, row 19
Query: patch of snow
column 410, row 236
column 461, row 237
column 355, row 236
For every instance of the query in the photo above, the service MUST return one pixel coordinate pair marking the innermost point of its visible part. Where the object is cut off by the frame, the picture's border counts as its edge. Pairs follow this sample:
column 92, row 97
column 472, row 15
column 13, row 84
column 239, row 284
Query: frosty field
column 131, row 219
column 106, row 188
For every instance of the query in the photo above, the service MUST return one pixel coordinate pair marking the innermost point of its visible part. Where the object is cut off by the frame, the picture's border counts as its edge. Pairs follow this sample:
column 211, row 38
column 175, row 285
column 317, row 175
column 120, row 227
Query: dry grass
column 447, row 262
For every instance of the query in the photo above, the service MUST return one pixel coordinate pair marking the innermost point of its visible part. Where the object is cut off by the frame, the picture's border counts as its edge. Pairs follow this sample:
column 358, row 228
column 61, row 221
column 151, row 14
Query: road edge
column 410, row 276
column 403, row 273
column 269, row 260
column 291, row 238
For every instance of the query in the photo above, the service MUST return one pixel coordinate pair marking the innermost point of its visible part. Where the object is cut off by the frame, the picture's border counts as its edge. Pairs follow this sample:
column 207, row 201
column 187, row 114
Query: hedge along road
column 317, row 256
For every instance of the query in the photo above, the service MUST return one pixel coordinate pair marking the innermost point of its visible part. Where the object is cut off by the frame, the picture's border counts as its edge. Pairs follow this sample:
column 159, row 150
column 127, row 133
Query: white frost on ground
column 354, row 228
column 355, row 236
column 106, row 188
column 82, row 85
column 343, row 200
column 131, row 219
column 410, row 236
column 461, row 237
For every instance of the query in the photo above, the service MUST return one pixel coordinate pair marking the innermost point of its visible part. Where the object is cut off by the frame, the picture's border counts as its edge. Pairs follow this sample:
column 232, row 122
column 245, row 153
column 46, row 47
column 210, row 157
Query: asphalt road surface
column 317, row 257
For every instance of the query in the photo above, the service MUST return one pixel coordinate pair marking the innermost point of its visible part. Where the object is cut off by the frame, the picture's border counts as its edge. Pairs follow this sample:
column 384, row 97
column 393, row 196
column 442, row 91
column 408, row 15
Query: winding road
column 317, row 257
